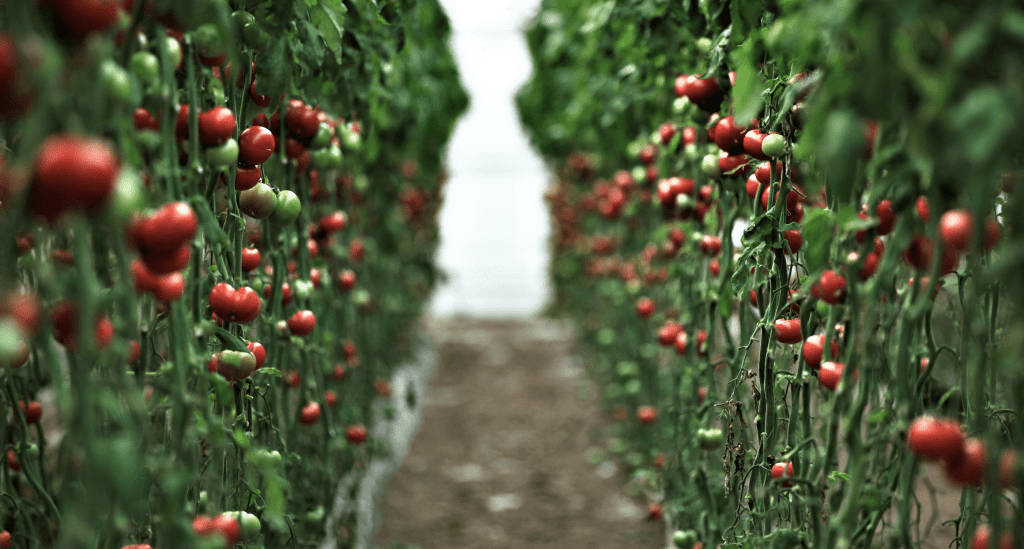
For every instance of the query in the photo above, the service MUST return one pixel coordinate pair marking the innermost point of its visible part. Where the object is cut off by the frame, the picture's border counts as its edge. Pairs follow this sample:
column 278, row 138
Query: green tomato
column 250, row 525
column 301, row 288
column 174, row 49
column 710, row 166
column 774, row 145
column 150, row 140
column 325, row 159
column 241, row 19
column 684, row 539
column 322, row 138
column 254, row 36
column 692, row 152
column 224, row 155
column 146, row 67
column 710, row 439
column 352, row 140
column 116, row 81
column 209, row 40
column 258, row 202
column 316, row 515
column 128, row 197
column 12, row 341
column 288, row 208
column 202, row 501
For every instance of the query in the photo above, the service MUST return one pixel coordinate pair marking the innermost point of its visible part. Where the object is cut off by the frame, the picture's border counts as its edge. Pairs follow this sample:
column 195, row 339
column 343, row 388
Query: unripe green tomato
column 704, row 44
column 710, row 166
column 224, row 155
column 681, row 104
column 32, row 451
column 302, row 289
column 684, row 539
column 605, row 337
column 362, row 182
column 202, row 501
column 209, row 40
column 639, row 174
column 174, row 49
column 288, row 208
column 352, row 140
column 316, row 515
column 633, row 387
column 822, row 308
column 250, row 525
column 326, row 158
column 710, row 439
column 627, row 369
column 774, row 145
column 12, row 342
column 692, row 152
column 208, row 328
column 254, row 36
column 146, row 67
column 258, row 202
column 150, row 140
column 127, row 199
column 634, row 147
column 241, row 19
column 321, row 138
column 116, row 81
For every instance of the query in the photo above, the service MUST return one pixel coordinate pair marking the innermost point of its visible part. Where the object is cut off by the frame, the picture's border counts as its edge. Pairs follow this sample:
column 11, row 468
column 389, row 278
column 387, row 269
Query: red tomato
column 12, row 461
column 795, row 241
column 356, row 434
column 333, row 222
column 257, row 351
column 645, row 307
column 729, row 135
column 783, row 469
column 923, row 210
column 764, row 172
column 310, row 414
column 681, row 341
column 715, row 267
column 33, row 411
column 165, row 232
column 5, row 540
column 260, row 100
column 64, row 318
column 216, row 126
column 970, row 468
column 788, row 330
column 668, row 332
column 830, row 287
column 814, row 349
column 250, row 259
column 648, row 154
column 753, row 185
column 357, row 250
column 646, row 415
column 936, row 439
column 338, row 373
column 228, row 527
column 1009, row 468
column 886, row 218
column 286, row 293
column 174, row 261
column 72, row 173
column 737, row 165
column 752, row 141
column 301, row 120
column 956, row 228
column 170, row 287
column 134, row 351
column 247, row 178
column 666, row 132
column 654, row 511
column 256, row 145
column 330, row 398
column 241, row 306
column 830, row 374
column 347, row 279
column 145, row 121
column 302, row 323
column 983, row 539
column 710, row 245
column 84, row 17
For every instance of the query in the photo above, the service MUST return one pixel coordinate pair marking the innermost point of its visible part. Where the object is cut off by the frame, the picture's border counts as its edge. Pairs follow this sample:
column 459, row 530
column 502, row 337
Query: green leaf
column 983, row 122
column 329, row 17
column 597, row 16
column 818, row 231
column 840, row 147
column 749, row 89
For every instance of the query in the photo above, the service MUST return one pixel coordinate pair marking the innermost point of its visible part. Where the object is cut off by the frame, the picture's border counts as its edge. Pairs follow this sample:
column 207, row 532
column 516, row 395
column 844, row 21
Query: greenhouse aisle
column 501, row 457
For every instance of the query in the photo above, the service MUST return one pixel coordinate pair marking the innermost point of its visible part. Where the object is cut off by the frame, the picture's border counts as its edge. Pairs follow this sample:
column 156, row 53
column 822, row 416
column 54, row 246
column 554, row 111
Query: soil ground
column 500, row 459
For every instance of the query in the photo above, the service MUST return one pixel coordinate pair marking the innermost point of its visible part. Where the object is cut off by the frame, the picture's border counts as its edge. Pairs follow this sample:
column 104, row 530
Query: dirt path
column 500, row 460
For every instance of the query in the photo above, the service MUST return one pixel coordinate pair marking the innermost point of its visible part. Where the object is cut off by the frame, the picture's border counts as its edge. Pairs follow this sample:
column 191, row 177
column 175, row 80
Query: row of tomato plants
column 218, row 220
column 787, row 235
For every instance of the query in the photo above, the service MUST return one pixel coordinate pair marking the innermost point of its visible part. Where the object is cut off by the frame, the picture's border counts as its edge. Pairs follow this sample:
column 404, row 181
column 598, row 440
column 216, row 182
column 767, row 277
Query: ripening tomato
column 258, row 352
column 936, row 439
column 72, row 173
column 983, row 539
